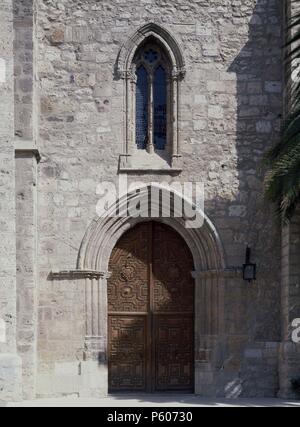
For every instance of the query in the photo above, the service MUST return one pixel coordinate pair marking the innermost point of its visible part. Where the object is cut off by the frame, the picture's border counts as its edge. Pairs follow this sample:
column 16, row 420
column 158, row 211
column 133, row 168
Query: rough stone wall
column 231, row 106
column 289, row 354
column 26, row 185
column 9, row 363
column 61, row 337
column 23, row 68
column 290, row 307
column 26, row 224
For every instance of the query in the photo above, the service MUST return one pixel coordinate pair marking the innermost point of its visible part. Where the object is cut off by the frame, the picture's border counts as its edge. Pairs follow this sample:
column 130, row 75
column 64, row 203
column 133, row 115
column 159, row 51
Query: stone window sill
column 151, row 165
column 27, row 148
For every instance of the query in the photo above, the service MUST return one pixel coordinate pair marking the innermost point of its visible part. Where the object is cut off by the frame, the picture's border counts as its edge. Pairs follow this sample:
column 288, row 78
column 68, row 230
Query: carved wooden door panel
column 151, row 312
column 128, row 307
column 173, row 311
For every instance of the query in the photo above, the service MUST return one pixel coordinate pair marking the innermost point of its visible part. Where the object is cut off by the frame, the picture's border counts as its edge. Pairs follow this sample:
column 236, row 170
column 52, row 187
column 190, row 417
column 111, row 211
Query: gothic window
column 160, row 108
column 142, row 99
column 152, row 67
column 152, row 71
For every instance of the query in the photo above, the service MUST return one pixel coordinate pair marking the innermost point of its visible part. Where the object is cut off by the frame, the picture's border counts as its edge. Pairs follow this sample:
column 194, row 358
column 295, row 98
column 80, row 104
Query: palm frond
column 282, row 180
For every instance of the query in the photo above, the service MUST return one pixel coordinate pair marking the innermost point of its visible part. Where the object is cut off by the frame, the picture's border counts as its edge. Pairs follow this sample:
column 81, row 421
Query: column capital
column 178, row 74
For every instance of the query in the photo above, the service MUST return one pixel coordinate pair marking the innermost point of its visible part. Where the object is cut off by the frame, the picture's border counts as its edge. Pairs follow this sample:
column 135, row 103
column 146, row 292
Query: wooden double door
column 151, row 312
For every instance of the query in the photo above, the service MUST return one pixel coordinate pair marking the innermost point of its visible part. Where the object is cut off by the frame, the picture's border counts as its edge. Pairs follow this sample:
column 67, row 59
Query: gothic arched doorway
column 151, row 312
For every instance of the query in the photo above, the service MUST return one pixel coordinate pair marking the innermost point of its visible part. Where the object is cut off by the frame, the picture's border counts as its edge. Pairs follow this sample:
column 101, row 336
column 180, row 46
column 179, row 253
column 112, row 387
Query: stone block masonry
column 230, row 113
column 23, row 23
column 68, row 101
column 10, row 363
column 289, row 356
column 25, row 129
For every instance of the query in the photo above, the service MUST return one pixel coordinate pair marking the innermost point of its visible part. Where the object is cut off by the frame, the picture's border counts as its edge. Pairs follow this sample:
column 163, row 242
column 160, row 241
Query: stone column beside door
column 94, row 368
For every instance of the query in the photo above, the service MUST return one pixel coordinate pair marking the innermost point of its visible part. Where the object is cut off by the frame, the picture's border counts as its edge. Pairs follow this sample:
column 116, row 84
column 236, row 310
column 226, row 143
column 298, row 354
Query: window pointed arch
column 152, row 104
column 163, row 36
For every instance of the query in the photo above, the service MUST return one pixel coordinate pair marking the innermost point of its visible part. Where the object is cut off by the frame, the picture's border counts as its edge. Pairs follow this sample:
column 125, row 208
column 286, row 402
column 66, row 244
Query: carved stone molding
column 129, row 161
column 208, row 253
column 104, row 232
column 96, row 317
column 179, row 74
column 95, row 349
column 129, row 48
column 78, row 274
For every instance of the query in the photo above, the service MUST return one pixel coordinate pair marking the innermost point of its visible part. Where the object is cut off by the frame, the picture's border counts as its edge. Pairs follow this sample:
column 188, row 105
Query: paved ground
column 154, row 401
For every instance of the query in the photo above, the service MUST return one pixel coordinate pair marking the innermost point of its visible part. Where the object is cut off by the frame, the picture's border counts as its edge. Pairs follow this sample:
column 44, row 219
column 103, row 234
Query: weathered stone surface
column 69, row 98
column 10, row 377
column 10, row 365
column 26, row 239
column 227, row 110
column 289, row 356
column 23, row 68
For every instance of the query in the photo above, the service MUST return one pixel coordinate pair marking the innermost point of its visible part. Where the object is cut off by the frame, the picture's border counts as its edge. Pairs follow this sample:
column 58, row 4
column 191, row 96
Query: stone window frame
column 125, row 71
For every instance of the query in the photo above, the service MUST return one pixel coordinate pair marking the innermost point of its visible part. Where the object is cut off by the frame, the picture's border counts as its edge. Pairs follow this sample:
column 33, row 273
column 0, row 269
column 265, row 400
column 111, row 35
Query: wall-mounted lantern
column 249, row 269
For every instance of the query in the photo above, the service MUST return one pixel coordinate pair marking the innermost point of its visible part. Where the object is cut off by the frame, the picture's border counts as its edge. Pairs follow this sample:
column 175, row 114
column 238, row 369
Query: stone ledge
column 27, row 147
column 127, row 164
column 170, row 171
column 162, row 171
column 78, row 274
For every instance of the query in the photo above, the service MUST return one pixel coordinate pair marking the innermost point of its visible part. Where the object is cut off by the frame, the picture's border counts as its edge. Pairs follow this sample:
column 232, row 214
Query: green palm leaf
column 282, row 180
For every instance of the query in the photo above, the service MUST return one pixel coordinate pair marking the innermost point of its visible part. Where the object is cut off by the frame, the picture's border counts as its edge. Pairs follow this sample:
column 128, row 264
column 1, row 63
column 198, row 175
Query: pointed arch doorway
column 151, row 298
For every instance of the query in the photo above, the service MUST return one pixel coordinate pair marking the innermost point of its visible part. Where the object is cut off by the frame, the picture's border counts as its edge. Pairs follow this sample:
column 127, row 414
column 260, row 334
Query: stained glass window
column 152, row 69
column 160, row 108
column 151, row 56
column 142, row 98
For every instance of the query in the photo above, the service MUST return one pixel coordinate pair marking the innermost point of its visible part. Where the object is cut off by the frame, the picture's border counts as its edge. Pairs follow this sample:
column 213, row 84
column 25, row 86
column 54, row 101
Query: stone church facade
column 71, row 79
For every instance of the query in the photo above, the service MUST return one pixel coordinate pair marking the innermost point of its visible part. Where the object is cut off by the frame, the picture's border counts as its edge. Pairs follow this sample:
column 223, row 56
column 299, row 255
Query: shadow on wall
column 258, row 114
column 259, row 72
column 248, row 219
column 252, row 312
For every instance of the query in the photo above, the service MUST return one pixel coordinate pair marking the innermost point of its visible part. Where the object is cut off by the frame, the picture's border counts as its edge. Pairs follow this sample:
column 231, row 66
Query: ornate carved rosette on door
column 151, row 312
